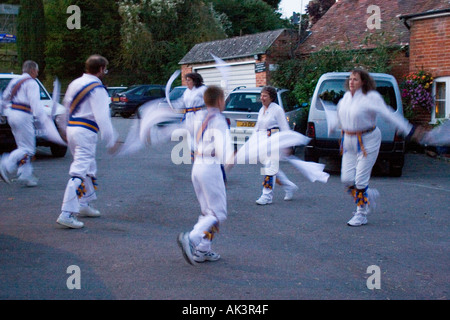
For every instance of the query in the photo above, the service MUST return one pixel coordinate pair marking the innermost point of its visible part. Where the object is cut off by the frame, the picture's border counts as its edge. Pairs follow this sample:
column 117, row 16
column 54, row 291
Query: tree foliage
column 31, row 32
column 156, row 35
column 302, row 75
column 249, row 16
column 317, row 8
column 67, row 48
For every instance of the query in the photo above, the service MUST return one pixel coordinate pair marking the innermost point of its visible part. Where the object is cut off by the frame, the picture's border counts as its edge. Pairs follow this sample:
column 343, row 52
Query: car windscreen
column 176, row 93
column 331, row 91
column 244, row 102
column 43, row 94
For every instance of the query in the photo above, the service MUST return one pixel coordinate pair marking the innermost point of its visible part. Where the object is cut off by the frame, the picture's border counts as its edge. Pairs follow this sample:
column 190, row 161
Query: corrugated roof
column 233, row 48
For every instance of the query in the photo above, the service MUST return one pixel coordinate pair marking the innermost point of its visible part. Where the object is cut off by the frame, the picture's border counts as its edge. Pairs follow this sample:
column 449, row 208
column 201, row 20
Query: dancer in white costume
column 193, row 95
column 361, row 139
column 213, row 147
column 271, row 119
column 88, row 104
column 24, row 96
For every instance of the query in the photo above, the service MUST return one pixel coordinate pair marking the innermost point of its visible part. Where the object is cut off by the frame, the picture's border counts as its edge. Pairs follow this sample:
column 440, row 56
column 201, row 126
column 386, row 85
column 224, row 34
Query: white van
column 329, row 90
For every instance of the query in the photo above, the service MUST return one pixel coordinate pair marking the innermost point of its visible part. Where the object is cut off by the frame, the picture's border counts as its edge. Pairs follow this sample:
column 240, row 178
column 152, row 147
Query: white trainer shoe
column 290, row 192
column 89, row 211
column 357, row 220
column 31, row 181
column 263, row 200
column 187, row 247
column 202, row 256
column 69, row 222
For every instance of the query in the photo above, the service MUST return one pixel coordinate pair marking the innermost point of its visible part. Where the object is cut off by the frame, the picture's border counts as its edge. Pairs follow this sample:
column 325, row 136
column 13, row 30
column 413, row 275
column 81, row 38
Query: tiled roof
column 236, row 47
column 346, row 23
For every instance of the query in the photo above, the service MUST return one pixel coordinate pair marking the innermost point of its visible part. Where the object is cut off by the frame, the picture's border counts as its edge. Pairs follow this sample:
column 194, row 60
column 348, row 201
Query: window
column 332, row 91
column 441, row 93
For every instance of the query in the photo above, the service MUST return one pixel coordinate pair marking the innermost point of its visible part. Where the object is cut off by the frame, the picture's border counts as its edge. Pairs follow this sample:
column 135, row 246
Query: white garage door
column 239, row 75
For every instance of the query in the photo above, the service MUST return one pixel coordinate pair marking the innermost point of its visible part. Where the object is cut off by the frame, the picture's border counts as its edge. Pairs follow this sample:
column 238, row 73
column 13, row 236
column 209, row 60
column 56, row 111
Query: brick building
column 250, row 58
column 429, row 48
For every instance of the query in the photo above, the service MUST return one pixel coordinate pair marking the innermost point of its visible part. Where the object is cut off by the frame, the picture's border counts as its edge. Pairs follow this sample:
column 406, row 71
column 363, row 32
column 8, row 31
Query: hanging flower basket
column 416, row 93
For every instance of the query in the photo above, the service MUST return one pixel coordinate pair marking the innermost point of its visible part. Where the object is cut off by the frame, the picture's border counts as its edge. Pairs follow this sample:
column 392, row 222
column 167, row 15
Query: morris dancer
column 361, row 139
column 193, row 95
column 213, row 148
column 88, row 104
column 24, row 95
column 271, row 119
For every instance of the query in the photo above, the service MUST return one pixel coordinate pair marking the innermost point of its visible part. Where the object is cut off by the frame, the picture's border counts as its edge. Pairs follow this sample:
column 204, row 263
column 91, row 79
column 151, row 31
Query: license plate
column 115, row 99
column 247, row 124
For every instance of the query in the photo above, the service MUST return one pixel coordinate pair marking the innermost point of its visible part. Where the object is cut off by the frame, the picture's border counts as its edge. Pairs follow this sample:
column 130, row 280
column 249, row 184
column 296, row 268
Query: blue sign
column 6, row 37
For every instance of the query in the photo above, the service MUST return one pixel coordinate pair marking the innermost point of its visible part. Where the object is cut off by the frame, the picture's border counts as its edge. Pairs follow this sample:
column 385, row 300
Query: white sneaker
column 89, row 211
column 290, row 192
column 263, row 200
column 202, row 256
column 187, row 247
column 357, row 220
column 3, row 172
column 30, row 181
column 69, row 222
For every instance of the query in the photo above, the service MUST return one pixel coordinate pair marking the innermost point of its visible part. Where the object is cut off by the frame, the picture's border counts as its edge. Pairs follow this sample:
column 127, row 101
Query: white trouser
column 82, row 144
column 356, row 167
column 272, row 168
column 22, row 127
column 209, row 188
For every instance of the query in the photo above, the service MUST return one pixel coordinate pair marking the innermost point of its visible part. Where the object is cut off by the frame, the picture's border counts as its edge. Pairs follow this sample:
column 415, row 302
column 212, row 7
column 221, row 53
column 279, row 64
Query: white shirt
column 28, row 94
column 359, row 112
column 194, row 97
column 273, row 117
column 95, row 107
column 216, row 140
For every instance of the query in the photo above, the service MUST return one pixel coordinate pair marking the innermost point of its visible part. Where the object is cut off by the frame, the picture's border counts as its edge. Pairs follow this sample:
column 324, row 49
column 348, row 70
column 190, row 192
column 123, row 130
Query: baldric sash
column 19, row 106
column 81, row 95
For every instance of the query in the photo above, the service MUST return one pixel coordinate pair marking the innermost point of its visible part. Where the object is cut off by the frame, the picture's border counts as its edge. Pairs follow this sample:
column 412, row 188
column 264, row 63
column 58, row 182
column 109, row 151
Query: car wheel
column 395, row 170
column 58, row 151
column 309, row 156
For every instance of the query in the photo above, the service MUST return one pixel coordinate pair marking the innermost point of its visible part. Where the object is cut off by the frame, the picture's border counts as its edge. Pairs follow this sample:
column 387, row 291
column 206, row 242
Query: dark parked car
column 114, row 90
column 128, row 102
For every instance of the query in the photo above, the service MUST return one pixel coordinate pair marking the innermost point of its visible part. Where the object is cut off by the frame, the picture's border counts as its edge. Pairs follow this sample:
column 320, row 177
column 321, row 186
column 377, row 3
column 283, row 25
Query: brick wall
column 430, row 46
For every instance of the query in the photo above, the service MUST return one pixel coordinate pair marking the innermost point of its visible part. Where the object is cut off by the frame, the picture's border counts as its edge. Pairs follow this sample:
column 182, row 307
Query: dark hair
column 94, row 63
column 196, row 78
column 212, row 94
column 271, row 91
column 368, row 83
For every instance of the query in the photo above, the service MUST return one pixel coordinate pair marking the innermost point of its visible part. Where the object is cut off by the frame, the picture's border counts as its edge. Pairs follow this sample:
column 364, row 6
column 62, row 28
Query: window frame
column 446, row 80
